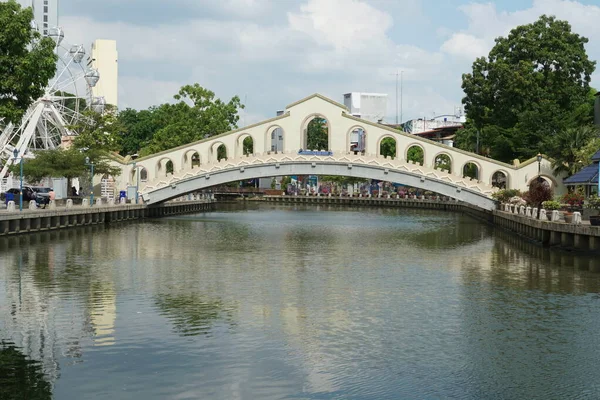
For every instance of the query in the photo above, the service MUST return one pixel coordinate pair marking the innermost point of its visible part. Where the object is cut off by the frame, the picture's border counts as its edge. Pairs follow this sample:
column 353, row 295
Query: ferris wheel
column 48, row 118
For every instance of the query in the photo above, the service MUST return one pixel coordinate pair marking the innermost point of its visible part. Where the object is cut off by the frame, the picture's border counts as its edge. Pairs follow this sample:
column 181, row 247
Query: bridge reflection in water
column 301, row 301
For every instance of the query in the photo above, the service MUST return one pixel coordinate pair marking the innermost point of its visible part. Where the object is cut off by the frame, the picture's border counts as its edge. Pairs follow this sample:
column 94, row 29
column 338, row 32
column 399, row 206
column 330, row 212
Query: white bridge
column 274, row 146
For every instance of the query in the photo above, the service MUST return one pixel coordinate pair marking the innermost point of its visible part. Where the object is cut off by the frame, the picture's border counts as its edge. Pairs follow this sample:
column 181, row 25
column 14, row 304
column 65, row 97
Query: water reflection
column 193, row 314
column 20, row 377
column 306, row 302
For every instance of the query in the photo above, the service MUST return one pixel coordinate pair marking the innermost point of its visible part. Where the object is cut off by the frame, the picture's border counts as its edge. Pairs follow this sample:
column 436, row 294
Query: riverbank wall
column 568, row 236
column 40, row 220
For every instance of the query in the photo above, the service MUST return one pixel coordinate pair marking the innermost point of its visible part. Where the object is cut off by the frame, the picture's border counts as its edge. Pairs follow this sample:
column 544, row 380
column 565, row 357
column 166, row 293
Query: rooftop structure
column 105, row 58
column 368, row 106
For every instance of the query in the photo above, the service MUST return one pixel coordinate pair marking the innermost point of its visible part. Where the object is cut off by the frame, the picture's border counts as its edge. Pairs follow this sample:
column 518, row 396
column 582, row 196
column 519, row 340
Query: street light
column 16, row 154
column 539, row 160
column 91, row 165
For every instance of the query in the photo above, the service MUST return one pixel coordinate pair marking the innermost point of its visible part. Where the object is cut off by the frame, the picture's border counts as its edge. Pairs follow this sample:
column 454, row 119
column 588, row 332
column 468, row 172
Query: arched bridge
column 270, row 148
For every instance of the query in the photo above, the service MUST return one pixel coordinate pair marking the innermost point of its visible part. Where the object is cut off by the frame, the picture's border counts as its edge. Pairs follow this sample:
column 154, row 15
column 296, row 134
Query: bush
column 593, row 202
column 505, row 195
column 551, row 205
column 573, row 199
column 538, row 193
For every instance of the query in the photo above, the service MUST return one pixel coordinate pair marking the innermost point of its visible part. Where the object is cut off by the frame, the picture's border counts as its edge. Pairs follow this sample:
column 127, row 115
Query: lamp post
column 91, row 165
column 539, row 160
column 137, row 181
column 16, row 154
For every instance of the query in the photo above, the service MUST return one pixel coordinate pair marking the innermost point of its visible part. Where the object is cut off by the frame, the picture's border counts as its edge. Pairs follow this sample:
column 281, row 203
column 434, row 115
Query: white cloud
column 465, row 45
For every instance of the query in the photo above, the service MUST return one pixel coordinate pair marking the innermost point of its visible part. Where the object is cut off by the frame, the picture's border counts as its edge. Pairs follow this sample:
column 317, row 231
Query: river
column 296, row 302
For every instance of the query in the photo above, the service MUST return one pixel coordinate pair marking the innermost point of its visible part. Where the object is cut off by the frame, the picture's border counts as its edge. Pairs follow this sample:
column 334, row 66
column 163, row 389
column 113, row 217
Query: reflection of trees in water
column 460, row 231
column 20, row 377
column 193, row 314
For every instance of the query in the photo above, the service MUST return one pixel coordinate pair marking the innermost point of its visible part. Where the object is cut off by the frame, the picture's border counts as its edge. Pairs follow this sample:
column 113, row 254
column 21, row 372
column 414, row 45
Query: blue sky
column 272, row 53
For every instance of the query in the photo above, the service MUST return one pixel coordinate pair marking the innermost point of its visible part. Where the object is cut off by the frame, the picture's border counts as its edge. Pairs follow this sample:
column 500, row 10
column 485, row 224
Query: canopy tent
column 588, row 176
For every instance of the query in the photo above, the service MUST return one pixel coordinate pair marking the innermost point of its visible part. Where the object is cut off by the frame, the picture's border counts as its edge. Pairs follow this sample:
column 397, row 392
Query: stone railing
column 542, row 214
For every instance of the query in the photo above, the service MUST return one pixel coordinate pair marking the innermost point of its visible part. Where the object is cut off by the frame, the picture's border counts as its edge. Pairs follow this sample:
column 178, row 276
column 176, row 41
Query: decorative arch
column 381, row 143
column 139, row 169
column 274, row 139
column 471, row 169
column 191, row 159
column 304, row 130
column 412, row 153
column 550, row 179
column 244, row 145
column 499, row 179
column 444, row 161
column 356, row 139
column 218, row 151
column 164, row 166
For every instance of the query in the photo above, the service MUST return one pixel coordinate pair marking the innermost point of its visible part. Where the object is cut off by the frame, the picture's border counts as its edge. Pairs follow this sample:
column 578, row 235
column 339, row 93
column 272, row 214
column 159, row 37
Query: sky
column 273, row 52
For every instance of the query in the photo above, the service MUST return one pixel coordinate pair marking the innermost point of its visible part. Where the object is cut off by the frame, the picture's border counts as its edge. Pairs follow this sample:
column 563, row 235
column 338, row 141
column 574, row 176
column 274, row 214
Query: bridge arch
column 215, row 150
column 304, row 130
column 444, row 161
column 191, row 159
column 471, row 169
column 240, row 145
column 416, row 145
column 274, row 139
column 164, row 166
column 461, row 189
column 500, row 179
column 349, row 137
column 380, row 141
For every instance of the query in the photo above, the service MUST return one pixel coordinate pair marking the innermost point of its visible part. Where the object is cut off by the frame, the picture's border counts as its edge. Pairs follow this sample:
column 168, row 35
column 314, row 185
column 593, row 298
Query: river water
column 276, row 302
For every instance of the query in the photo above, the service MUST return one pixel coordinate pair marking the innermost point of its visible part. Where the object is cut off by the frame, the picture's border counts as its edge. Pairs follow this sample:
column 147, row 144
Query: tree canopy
column 196, row 115
column 316, row 135
column 27, row 61
column 533, row 84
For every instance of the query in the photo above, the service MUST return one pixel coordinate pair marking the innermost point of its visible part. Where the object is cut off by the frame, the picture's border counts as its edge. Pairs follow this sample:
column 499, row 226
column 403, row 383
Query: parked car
column 28, row 194
column 42, row 195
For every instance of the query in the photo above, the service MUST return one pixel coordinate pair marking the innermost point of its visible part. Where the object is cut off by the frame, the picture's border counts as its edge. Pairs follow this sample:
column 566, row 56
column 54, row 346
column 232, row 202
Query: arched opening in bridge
column 191, row 159
column 248, row 146
column 387, row 147
column 357, row 141
column 275, row 139
column 143, row 174
column 317, row 134
column 221, row 152
column 443, row 162
column 499, row 180
column 471, row 170
column 415, row 154
column 164, row 166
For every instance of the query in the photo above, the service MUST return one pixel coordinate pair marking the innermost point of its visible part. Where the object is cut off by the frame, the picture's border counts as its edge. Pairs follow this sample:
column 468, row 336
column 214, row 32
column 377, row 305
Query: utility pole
column 401, row 81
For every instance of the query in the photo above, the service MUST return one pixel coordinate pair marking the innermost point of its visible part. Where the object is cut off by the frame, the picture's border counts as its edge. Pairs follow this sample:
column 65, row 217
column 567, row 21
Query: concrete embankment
column 568, row 236
column 30, row 221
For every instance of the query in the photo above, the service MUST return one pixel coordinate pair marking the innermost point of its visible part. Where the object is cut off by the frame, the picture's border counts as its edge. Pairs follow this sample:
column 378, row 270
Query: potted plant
column 593, row 202
column 573, row 200
column 550, row 205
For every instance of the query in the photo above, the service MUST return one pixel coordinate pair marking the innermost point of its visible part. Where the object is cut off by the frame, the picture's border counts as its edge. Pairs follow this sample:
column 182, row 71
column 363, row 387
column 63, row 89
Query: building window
column 46, row 9
column 45, row 18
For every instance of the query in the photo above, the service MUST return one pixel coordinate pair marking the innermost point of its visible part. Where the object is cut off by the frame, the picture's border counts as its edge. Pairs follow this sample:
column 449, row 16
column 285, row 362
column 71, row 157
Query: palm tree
column 567, row 145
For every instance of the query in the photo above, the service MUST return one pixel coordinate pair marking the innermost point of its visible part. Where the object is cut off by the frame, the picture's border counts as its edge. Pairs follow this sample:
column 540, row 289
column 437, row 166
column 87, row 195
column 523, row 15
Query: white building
column 45, row 13
column 421, row 125
column 105, row 59
column 369, row 106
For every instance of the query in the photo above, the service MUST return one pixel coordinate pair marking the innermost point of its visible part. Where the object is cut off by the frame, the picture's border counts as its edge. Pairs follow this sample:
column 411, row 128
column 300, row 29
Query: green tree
column 415, row 154
column 138, row 128
column 27, row 61
column 572, row 148
column 196, row 115
column 97, row 132
column 248, row 145
column 533, row 84
column 444, row 162
column 316, row 135
column 387, row 147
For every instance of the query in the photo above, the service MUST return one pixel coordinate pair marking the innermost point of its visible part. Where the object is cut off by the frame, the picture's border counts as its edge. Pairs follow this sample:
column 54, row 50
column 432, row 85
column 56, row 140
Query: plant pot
column 549, row 215
column 568, row 218
column 595, row 220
